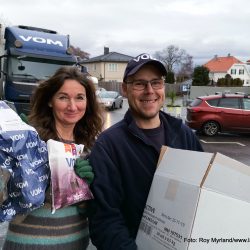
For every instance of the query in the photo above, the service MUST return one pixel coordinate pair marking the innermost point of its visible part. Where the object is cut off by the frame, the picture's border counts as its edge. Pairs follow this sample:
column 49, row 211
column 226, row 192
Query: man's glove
column 24, row 118
column 84, row 170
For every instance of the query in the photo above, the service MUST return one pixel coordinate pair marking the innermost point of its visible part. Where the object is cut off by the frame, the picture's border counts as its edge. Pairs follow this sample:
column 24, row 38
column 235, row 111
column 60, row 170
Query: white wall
column 245, row 77
column 216, row 76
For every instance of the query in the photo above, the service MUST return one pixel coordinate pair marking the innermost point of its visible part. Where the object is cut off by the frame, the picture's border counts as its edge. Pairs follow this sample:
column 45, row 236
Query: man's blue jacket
column 124, row 161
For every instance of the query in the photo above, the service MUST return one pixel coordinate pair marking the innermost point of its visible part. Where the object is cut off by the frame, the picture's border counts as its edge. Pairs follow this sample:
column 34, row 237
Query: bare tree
column 173, row 58
column 79, row 53
column 186, row 69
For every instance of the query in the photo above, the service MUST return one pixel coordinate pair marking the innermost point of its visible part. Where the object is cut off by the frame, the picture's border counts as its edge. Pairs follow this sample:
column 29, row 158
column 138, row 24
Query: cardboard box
column 197, row 201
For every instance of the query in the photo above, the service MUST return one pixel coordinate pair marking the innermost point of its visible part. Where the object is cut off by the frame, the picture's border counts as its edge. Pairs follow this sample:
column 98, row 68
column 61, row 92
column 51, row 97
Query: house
column 108, row 67
column 219, row 67
column 248, row 65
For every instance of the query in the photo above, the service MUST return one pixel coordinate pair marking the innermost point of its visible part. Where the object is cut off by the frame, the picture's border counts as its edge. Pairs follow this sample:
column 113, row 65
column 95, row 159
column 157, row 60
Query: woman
column 64, row 108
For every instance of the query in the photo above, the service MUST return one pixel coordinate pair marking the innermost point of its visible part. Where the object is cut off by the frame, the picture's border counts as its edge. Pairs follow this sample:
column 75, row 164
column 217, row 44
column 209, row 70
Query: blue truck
column 30, row 56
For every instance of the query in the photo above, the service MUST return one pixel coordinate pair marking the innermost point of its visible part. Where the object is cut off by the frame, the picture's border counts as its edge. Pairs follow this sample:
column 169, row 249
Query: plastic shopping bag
column 67, row 188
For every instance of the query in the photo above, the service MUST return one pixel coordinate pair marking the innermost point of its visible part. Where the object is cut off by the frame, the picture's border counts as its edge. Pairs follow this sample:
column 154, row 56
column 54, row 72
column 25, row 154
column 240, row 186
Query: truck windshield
column 32, row 69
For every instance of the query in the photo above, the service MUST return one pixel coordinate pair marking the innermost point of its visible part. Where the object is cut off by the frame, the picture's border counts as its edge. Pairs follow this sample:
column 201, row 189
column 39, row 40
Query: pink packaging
column 66, row 187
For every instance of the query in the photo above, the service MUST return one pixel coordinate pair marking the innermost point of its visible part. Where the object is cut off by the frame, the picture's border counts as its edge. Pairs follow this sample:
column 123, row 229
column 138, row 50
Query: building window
column 241, row 71
column 112, row 67
column 233, row 71
column 94, row 67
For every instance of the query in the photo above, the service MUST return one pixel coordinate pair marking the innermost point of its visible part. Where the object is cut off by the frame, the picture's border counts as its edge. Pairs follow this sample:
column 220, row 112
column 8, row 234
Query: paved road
column 235, row 146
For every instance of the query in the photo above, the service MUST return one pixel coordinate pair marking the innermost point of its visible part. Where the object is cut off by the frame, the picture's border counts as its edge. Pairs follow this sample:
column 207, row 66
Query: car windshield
column 107, row 94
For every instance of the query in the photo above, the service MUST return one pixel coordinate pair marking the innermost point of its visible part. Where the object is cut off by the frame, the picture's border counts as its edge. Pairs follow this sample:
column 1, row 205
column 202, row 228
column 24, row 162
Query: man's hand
column 84, row 170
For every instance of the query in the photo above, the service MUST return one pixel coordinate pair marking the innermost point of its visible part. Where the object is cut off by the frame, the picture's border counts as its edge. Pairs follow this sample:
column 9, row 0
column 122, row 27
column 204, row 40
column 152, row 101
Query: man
column 125, row 156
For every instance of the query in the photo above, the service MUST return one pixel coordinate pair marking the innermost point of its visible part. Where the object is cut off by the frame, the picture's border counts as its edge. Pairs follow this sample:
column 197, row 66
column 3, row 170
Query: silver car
column 110, row 99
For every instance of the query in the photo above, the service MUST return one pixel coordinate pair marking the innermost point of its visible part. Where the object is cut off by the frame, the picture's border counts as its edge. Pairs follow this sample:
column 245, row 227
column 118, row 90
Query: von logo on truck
column 41, row 40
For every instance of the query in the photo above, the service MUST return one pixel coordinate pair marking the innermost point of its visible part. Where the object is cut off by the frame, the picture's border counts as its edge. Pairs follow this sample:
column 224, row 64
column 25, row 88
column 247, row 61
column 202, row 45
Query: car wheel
column 121, row 104
column 210, row 128
column 113, row 106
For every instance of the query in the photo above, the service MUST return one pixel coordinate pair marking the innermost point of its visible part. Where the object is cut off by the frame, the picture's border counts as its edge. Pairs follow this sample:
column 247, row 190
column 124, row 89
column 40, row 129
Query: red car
column 218, row 113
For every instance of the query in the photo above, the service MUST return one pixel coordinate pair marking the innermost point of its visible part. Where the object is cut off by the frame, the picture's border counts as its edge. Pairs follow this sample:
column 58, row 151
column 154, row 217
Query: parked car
column 110, row 99
column 98, row 90
column 218, row 113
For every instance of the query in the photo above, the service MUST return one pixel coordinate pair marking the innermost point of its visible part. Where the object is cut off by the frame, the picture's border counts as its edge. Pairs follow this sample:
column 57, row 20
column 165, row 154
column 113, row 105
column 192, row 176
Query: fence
column 196, row 91
column 111, row 86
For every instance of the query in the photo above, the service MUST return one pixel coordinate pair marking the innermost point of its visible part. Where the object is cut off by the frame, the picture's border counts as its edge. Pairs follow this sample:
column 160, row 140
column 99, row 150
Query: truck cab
column 31, row 55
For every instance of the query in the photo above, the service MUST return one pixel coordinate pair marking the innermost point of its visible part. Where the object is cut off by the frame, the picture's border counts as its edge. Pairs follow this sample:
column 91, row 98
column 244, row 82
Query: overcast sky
column 203, row 28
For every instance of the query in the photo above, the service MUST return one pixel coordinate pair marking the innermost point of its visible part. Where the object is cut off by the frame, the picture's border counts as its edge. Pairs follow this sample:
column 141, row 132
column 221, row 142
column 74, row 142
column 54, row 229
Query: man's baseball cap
column 136, row 63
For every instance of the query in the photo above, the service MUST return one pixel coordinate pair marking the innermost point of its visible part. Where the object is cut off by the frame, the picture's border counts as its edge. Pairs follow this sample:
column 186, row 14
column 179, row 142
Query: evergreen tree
column 200, row 76
column 170, row 77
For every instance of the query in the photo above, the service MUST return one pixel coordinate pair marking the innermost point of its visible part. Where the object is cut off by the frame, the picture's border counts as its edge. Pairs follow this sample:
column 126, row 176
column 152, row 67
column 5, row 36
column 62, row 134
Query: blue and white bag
column 25, row 156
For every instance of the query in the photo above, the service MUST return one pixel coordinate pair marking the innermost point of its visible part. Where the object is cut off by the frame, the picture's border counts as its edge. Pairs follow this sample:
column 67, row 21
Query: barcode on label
column 146, row 228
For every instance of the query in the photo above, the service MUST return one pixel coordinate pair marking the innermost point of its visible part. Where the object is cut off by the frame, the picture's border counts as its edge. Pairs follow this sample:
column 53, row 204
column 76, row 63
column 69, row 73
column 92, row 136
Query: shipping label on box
column 189, row 200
